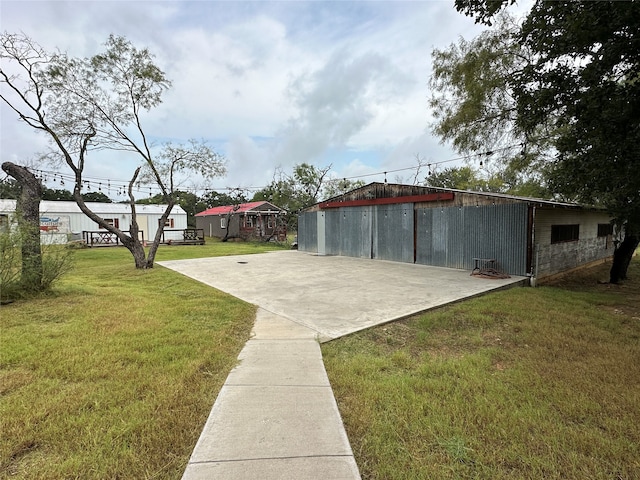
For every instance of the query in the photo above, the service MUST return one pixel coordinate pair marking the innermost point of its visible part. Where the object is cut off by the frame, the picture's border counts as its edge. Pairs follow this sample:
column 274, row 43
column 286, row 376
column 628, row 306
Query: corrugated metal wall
column 394, row 233
column 453, row 237
column 447, row 237
column 499, row 232
column 308, row 232
column 355, row 232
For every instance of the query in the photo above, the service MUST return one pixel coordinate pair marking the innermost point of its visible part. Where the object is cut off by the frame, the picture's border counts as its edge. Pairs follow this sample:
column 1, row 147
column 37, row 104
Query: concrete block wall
column 552, row 259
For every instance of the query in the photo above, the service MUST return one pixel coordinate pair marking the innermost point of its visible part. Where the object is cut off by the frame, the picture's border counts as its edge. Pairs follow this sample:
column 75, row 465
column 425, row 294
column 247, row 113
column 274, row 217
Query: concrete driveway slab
column 333, row 295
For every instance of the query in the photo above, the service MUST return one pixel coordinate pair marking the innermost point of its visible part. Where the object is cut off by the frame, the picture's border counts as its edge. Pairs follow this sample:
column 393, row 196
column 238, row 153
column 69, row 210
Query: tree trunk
column 151, row 256
column 622, row 257
column 28, row 208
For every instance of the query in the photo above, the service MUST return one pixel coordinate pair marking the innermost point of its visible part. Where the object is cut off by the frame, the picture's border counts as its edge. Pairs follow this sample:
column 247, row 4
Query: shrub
column 15, row 282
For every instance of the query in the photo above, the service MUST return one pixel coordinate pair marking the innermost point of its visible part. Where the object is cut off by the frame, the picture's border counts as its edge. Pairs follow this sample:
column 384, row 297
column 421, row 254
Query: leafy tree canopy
column 579, row 84
column 98, row 103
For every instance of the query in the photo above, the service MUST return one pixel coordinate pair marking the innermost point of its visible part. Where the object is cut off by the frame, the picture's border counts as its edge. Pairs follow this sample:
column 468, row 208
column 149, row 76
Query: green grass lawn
column 520, row 384
column 113, row 374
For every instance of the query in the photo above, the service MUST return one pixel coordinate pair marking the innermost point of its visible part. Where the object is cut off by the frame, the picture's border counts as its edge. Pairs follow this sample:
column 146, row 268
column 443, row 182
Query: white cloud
column 268, row 83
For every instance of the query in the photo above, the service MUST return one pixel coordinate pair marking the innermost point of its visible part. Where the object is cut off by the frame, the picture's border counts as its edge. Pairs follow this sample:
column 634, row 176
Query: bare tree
column 97, row 103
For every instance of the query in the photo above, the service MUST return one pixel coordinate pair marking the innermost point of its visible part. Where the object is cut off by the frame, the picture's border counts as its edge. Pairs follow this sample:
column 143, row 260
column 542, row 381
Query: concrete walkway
column 275, row 416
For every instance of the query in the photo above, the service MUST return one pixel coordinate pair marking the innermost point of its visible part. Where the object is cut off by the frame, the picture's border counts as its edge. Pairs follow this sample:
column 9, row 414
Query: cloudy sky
column 267, row 84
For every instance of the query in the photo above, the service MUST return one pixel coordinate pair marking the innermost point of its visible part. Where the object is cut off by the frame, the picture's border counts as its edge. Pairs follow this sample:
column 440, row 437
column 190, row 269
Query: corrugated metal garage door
column 439, row 235
column 347, row 232
column 308, row 232
column 453, row 237
column 498, row 232
column 393, row 239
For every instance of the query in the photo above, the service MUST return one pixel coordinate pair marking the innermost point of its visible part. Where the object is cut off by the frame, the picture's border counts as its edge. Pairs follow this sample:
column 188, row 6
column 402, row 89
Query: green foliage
column 9, row 188
column 572, row 84
column 475, row 107
column 95, row 103
column 95, row 197
column 569, row 78
column 470, row 93
column 194, row 157
column 462, row 178
column 506, row 180
column 57, row 194
column 482, row 10
column 585, row 74
column 216, row 199
column 294, row 192
column 20, row 278
column 10, row 263
column 336, row 187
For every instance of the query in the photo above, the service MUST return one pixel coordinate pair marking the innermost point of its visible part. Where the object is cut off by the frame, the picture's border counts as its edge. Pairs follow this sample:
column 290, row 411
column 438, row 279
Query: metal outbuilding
column 457, row 229
column 62, row 221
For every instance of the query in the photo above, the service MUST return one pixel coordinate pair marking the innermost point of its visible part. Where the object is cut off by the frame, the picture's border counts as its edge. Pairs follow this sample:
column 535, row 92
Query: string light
column 121, row 186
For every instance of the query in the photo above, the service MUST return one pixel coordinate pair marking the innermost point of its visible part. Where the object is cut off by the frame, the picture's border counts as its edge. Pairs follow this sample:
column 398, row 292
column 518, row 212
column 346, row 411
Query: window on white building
column 113, row 222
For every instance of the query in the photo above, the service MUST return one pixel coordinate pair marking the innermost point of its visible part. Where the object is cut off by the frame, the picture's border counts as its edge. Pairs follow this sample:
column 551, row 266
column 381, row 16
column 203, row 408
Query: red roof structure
column 253, row 207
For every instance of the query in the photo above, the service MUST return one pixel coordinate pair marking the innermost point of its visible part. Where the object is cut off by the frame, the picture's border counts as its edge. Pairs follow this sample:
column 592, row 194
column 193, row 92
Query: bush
column 10, row 263
column 56, row 260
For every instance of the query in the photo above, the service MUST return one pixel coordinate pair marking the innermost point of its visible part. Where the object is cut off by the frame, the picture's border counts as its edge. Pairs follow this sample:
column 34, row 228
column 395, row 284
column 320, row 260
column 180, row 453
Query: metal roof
column 254, row 207
column 9, row 205
column 427, row 189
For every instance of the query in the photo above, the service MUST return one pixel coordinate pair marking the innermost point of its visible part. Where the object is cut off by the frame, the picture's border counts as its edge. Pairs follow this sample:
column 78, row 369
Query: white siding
column 73, row 221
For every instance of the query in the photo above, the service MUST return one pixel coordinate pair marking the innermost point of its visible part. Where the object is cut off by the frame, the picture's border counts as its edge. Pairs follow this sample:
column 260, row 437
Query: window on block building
column 605, row 229
column 565, row 233
column 168, row 223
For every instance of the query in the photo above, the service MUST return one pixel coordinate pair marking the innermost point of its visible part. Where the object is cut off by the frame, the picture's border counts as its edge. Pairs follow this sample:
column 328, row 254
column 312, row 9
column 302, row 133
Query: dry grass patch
column 520, row 384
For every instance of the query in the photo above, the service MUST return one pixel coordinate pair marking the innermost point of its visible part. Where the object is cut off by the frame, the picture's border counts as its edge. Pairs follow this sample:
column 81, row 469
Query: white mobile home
column 63, row 221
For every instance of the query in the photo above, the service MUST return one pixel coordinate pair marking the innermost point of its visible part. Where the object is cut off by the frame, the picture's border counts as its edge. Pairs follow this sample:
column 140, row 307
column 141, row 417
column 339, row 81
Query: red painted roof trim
column 430, row 197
